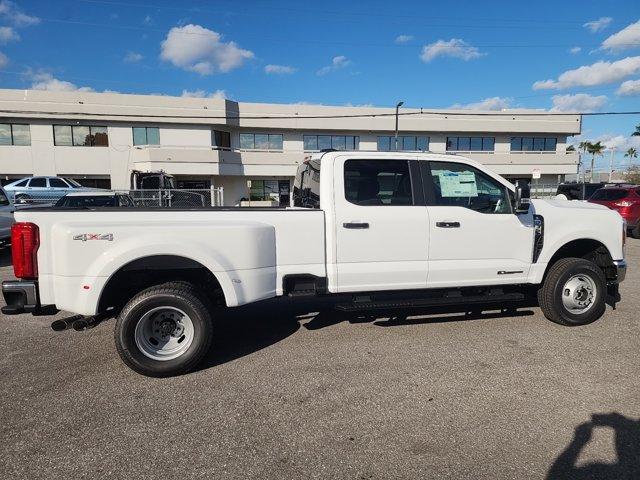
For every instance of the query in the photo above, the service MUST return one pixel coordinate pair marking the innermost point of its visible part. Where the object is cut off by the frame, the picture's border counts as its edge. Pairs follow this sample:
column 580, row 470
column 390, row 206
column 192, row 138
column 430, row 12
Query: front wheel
column 573, row 292
column 164, row 330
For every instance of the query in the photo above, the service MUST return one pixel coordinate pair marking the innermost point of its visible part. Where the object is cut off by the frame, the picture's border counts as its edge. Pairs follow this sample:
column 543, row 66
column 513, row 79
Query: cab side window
column 460, row 185
column 377, row 182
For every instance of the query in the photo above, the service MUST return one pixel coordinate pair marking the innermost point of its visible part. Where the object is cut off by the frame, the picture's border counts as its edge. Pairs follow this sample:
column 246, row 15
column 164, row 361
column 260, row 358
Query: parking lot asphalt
column 289, row 393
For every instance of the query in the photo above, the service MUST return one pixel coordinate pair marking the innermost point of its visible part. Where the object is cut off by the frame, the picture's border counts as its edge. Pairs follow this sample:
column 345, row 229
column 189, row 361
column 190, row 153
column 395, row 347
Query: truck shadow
column 627, row 446
column 244, row 330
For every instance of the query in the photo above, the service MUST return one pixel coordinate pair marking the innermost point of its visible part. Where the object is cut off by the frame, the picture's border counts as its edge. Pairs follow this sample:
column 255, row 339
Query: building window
column 220, row 139
column 405, row 142
column 315, row 143
column 471, row 144
column 15, row 134
column 146, row 136
column 261, row 141
column 80, row 136
column 533, row 144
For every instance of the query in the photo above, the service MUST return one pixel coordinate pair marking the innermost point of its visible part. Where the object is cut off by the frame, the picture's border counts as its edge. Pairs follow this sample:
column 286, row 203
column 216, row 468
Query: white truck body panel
column 251, row 251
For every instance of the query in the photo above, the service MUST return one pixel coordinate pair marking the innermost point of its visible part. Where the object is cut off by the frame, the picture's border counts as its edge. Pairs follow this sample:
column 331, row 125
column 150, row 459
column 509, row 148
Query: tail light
column 25, row 240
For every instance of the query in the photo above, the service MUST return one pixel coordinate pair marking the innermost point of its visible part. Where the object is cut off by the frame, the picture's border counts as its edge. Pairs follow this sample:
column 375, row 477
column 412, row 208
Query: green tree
column 637, row 132
column 632, row 175
column 631, row 153
column 595, row 149
column 571, row 148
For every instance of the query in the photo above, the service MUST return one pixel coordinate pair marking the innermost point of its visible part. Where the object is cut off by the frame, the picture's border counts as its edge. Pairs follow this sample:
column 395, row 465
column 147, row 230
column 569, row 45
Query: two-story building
column 252, row 150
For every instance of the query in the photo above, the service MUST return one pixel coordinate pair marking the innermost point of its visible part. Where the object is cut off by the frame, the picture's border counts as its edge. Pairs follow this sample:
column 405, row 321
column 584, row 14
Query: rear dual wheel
column 573, row 292
column 164, row 330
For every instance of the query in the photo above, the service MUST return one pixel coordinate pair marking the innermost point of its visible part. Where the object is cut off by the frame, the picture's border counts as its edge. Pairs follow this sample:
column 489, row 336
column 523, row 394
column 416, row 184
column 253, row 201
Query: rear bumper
column 21, row 296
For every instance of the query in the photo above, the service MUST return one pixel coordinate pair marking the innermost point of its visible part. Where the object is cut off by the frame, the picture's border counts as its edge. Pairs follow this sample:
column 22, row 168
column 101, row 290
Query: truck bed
column 249, row 250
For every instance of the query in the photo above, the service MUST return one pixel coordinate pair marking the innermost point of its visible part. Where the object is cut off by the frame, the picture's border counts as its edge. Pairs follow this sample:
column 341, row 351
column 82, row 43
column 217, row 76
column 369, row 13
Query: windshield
column 73, row 183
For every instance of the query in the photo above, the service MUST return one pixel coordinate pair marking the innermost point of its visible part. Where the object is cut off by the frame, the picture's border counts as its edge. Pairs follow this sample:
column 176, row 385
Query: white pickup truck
column 374, row 230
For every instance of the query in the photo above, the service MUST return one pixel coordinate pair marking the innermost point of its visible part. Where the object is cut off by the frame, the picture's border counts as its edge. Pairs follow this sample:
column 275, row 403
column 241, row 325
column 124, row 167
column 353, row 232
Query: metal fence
column 542, row 190
column 164, row 198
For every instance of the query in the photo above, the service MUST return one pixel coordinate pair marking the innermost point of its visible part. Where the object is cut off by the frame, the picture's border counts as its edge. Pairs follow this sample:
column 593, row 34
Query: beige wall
column 185, row 136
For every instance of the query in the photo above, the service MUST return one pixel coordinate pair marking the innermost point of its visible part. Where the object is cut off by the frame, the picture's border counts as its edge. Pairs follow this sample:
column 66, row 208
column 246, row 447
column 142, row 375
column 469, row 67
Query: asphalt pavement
column 293, row 390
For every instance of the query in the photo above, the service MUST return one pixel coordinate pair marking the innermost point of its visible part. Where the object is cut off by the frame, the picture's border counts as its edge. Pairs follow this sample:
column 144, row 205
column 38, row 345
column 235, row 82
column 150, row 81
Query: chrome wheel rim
column 579, row 293
column 164, row 333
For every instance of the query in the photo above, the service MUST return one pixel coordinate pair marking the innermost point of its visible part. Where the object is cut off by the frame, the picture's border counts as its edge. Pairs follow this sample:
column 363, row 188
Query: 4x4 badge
column 94, row 236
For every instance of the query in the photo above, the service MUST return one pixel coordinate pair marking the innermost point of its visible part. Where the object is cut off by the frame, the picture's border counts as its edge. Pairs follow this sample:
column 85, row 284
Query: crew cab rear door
column 381, row 224
column 475, row 238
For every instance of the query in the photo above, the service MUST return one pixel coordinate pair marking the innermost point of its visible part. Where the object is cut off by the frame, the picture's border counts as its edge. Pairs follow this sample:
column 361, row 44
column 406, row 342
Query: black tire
column 551, row 292
column 181, row 295
column 635, row 232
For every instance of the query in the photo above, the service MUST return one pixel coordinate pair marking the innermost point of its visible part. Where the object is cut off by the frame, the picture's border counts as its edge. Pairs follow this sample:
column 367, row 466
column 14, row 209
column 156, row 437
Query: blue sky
column 495, row 54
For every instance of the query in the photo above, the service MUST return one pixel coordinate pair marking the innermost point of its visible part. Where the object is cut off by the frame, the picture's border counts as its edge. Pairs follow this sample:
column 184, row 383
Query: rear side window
column 378, row 182
column 306, row 186
column 609, row 194
column 57, row 183
column 38, row 182
column 23, row 183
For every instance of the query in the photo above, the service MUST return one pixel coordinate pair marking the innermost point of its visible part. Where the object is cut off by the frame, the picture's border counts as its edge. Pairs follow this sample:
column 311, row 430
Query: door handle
column 448, row 224
column 356, row 225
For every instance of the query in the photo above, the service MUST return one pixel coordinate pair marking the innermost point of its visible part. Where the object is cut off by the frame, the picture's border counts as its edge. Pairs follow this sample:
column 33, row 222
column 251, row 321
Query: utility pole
column 613, row 151
column 396, row 136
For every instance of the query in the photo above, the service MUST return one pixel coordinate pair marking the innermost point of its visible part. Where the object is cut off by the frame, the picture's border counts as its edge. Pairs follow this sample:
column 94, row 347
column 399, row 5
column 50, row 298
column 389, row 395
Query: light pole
column 613, row 152
column 396, row 136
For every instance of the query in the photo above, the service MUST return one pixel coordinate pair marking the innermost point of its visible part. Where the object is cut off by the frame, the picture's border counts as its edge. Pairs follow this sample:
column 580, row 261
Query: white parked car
column 374, row 230
column 42, row 189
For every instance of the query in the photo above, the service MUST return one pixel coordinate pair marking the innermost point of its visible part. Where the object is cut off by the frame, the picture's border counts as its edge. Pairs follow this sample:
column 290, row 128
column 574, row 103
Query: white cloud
column 218, row 94
column 279, row 69
column 492, row 103
column 580, row 102
column 575, row 50
column 598, row 73
column 133, row 57
column 336, row 64
column 629, row 88
column 12, row 13
column 628, row 37
column 46, row 81
column 198, row 49
column 8, row 34
column 598, row 25
column 403, row 38
column 455, row 48
column 620, row 142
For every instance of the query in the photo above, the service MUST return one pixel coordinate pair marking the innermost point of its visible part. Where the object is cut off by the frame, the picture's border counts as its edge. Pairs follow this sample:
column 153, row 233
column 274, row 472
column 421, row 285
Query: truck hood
column 572, row 204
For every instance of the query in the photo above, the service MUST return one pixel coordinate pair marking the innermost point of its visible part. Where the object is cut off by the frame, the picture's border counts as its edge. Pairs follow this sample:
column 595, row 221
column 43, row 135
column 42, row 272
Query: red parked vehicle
column 625, row 199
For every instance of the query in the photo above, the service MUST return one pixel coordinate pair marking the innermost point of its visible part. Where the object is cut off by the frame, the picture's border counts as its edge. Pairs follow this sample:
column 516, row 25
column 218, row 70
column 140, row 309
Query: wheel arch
column 588, row 249
column 154, row 269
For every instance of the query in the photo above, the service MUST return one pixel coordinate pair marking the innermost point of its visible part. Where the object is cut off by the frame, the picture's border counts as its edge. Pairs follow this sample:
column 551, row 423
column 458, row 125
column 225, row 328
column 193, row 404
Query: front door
column 475, row 238
column 381, row 225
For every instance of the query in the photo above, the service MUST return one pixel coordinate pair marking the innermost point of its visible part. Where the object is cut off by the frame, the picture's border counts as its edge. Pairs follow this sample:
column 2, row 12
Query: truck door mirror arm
column 522, row 197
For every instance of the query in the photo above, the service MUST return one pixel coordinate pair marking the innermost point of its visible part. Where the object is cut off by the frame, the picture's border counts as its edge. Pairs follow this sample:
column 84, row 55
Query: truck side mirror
column 522, row 196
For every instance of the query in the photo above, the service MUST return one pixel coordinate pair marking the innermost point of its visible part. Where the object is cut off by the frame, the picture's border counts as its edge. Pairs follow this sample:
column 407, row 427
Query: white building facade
column 252, row 150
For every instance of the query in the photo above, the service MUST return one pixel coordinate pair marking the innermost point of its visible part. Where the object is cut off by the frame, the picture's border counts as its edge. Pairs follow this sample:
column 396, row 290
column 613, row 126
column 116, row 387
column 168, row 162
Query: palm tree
column 595, row 149
column 571, row 148
column 631, row 153
column 583, row 147
column 637, row 132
